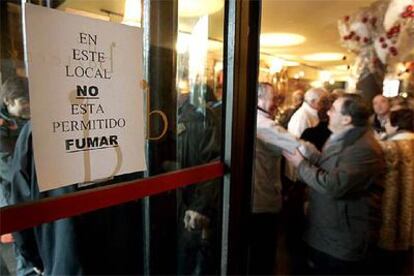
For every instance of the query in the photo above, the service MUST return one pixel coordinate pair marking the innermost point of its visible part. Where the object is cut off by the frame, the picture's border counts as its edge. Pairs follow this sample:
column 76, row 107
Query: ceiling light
column 404, row 94
column 342, row 68
column 323, row 57
column 196, row 8
column 289, row 63
column 132, row 13
column 280, row 39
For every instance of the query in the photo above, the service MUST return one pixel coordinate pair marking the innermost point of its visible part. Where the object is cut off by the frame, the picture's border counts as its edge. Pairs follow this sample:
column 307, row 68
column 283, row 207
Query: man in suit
column 344, row 196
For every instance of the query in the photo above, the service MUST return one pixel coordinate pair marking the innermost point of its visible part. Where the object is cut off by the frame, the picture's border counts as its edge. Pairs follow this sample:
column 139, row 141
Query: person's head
column 313, row 95
column 266, row 97
column 401, row 103
column 324, row 104
column 183, row 93
column 297, row 98
column 400, row 119
column 381, row 105
column 15, row 96
column 347, row 112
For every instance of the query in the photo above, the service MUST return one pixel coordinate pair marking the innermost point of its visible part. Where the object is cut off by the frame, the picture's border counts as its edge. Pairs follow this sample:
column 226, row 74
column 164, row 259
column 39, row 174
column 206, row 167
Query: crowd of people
column 344, row 197
column 335, row 178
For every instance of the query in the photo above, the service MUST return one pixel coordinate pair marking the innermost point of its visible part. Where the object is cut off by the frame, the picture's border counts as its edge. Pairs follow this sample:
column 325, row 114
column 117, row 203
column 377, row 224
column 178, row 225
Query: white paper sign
column 85, row 97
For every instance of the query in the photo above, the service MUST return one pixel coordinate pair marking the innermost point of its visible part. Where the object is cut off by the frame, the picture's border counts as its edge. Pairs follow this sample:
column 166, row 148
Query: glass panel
column 186, row 230
column 199, row 229
column 104, row 242
column 200, row 77
column 14, row 83
column 196, row 139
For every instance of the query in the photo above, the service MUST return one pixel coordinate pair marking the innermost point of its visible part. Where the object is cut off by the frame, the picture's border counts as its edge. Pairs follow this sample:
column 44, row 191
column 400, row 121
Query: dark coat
column 79, row 245
column 344, row 214
column 9, row 132
column 54, row 242
column 198, row 142
column 376, row 125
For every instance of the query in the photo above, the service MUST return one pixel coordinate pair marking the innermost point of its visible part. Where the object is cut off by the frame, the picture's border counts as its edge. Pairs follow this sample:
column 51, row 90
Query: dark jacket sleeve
column 353, row 172
column 204, row 198
column 22, row 166
column 20, row 177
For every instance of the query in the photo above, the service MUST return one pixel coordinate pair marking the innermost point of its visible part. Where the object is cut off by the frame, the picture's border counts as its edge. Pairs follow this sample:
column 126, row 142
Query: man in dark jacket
column 54, row 242
column 14, row 113
column 382, row 107
column 69, row 246
column 344, row 195
column 198, row 142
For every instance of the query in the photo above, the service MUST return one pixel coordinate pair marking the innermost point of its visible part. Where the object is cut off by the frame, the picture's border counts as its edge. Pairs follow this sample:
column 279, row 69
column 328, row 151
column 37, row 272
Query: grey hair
column 314, row 94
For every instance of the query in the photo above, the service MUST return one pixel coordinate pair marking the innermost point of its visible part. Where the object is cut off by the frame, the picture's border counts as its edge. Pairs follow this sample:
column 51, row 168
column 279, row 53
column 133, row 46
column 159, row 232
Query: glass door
column 110, row 227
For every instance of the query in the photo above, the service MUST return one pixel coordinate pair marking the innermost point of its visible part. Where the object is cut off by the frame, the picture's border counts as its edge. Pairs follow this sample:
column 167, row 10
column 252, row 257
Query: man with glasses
column 344, row 196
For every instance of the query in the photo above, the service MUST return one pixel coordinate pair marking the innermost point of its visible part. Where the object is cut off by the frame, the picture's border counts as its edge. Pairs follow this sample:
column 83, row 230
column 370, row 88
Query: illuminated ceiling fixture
column 289, row 63
column 280, row 39
column 132, row 13
column 324, row 57
column 196, row 8
column 342, row 68
column 404, row 94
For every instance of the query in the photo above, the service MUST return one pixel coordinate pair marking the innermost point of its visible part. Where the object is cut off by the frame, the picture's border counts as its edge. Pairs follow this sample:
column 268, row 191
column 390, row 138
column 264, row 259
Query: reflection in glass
column 199, row 123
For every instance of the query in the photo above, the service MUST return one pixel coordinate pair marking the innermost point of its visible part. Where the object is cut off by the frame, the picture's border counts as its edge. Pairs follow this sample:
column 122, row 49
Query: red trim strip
column 18, row 217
